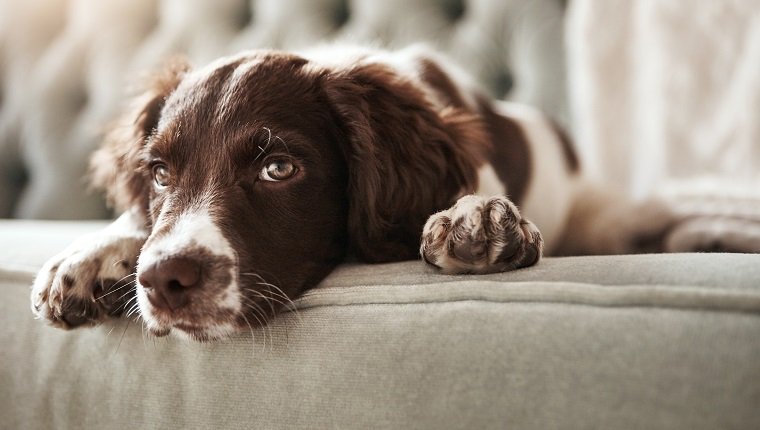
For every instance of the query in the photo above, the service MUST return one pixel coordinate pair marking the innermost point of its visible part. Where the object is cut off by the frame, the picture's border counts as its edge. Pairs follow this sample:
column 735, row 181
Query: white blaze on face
column 194, row 228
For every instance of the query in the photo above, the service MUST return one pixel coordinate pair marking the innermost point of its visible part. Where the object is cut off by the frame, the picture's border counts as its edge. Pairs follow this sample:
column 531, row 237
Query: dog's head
column 257, row 173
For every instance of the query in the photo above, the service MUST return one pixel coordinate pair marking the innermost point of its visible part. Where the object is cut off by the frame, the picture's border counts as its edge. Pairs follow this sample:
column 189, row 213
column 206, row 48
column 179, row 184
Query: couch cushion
column 651, row 341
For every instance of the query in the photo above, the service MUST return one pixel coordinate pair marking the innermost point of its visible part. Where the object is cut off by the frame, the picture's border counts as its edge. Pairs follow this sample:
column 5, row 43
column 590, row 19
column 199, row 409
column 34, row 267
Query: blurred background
column 660, row 95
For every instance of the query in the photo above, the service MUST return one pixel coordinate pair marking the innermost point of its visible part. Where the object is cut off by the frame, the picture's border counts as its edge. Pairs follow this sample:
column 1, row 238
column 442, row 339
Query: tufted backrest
column 66, row 66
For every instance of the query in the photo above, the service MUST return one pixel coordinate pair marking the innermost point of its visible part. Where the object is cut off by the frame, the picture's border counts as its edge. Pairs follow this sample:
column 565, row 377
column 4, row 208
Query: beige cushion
column 651, row 341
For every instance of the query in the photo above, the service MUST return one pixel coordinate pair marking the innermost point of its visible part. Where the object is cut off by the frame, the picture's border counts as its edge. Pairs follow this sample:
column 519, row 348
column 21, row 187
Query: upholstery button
column 245, row 15
column 503, row 82
column 453, row 10
column 341, row 13
column 79, row 99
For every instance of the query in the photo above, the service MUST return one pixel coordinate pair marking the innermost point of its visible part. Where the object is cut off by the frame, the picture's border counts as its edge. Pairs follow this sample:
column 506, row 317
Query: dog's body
column 244, row 183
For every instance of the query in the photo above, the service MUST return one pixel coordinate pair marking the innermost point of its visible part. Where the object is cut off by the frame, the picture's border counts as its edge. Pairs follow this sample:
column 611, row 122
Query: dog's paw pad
column 480, row 235
column 84, row 286
column 470, row 250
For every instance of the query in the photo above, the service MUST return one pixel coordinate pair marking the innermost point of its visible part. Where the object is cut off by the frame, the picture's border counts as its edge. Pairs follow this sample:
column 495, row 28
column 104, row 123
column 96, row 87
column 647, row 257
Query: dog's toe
column 480, row 235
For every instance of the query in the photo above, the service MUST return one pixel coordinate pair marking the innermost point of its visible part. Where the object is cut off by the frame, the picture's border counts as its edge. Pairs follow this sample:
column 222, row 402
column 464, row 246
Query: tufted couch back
column 66, row 66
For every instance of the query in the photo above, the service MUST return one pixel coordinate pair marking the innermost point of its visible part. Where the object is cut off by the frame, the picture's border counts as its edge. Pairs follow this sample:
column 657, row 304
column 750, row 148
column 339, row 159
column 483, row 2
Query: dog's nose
column 167, row 282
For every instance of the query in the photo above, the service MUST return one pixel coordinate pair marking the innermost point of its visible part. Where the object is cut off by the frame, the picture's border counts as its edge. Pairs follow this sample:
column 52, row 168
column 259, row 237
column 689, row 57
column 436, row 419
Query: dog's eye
column 278, row 170
column 161, row 175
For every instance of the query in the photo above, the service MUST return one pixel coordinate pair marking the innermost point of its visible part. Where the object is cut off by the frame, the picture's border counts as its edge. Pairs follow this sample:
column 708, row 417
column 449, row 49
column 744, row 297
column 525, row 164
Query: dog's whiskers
column 257, row 311
column 270, row 300
column 266, row 146
column 276, row 294
column 287, row 149
column 253, row 337
column 265, row 298
column 290, row 305
column 126, row 303
column 133, row 289
column 119, row 288
column 135, row 308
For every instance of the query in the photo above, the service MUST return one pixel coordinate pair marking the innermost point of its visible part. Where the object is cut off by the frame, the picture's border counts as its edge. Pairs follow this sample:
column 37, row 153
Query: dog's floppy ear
column 405, row 159
column 115, row 167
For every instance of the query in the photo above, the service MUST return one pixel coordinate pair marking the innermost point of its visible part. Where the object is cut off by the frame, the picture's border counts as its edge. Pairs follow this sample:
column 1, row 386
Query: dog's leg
column 721, row 233
column 480, row 235
column 601, row 222
column 93, row 278
column 714, row 223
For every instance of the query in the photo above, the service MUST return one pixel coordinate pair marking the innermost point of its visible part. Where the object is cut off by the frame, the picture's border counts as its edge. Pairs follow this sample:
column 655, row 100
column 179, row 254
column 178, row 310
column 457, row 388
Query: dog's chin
column 203, row 334
column 161, row 323
column 195, row 333
column 163, row 326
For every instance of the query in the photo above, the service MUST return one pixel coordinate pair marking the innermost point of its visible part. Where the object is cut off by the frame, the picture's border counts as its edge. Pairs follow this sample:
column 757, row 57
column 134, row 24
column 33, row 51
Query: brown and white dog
column 244, row 183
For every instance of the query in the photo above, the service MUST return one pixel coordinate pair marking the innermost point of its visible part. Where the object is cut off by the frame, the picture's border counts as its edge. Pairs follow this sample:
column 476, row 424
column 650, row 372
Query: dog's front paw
column 88, row 282
column 480, row 235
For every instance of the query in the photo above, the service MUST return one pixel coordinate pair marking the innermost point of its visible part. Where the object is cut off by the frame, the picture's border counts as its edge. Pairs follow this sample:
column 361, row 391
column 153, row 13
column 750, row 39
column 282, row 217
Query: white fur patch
column 193, row 228
column 90, row 259
column 468, row 209
column 217, row 331
column 551, row 188
column 191, row 92
column 489, row 183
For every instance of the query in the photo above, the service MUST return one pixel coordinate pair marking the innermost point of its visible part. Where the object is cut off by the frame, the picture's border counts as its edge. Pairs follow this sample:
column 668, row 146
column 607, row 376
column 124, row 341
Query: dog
column 244, row 183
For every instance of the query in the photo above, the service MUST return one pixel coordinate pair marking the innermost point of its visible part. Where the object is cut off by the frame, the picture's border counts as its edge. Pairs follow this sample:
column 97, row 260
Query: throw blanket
column 666, row 94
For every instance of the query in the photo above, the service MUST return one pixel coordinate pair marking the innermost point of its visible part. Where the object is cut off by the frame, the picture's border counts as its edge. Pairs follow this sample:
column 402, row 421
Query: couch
column 647, row 341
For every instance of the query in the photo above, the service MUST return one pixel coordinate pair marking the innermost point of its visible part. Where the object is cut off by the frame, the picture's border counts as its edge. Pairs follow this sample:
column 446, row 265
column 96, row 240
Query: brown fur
column 376, row 151
column 114, row 167
column 568, row 149
column 375, row 160
column 511, row 155
column 398, row 145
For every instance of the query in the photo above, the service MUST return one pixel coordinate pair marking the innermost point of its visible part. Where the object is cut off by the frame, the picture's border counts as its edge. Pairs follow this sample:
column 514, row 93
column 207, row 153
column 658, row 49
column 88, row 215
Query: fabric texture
column 649, row 341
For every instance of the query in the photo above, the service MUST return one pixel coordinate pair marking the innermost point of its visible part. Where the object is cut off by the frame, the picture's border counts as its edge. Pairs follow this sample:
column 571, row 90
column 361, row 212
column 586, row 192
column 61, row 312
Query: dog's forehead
column 202, row 90
column 222, row 89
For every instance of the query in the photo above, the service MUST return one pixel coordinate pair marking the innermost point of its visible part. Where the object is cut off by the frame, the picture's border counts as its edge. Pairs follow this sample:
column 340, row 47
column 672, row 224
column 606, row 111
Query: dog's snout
column 167, row 282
